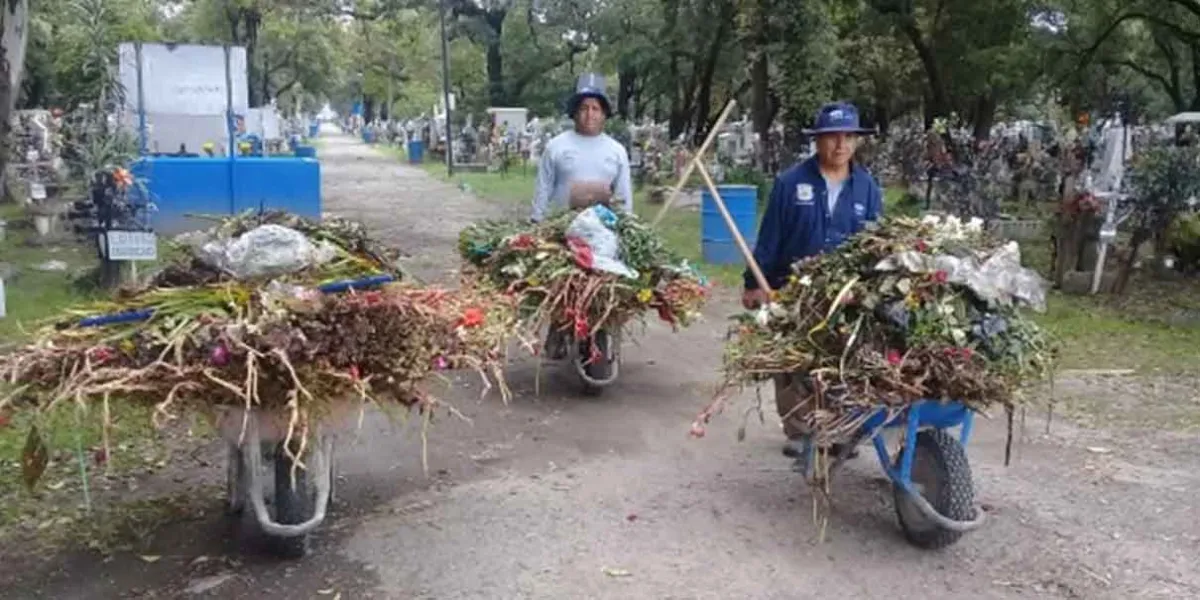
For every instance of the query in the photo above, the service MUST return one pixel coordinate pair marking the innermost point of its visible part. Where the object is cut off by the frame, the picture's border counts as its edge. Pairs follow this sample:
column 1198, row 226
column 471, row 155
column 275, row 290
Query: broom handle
column 712, row 134
column 737, row 235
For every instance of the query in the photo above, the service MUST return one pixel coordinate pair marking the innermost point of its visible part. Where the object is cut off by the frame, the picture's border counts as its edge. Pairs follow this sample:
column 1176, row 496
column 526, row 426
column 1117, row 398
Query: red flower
column 100, row 355
column 523, row 241
column 664, row 313
column 967, row 353
column 372, row 297
column 581, row 328
column 582, row 252
column 940, row 276
column 922, row 246
column 894, row 357
column 472, row 317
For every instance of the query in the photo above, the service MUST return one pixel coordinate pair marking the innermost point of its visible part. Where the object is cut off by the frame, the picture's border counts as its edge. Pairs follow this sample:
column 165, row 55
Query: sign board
column 37, row 191
column 184, row 79
column 130, row 245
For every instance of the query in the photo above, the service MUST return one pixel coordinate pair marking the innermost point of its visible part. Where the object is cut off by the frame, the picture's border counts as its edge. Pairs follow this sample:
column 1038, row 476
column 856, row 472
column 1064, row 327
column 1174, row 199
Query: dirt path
column 560, row 496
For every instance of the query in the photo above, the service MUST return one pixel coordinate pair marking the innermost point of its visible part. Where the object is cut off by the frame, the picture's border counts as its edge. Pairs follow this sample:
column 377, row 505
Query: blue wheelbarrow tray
column 923, row 415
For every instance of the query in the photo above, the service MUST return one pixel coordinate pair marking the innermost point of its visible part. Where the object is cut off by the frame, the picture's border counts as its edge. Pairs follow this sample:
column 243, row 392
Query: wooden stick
column 737, row 235
column 696, row 158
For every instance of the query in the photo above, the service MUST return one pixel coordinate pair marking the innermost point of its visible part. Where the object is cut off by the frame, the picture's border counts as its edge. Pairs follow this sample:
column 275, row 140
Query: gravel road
column 560, row 496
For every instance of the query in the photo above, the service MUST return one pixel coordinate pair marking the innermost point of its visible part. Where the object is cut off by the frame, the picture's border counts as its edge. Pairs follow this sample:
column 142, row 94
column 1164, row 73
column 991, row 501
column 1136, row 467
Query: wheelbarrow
column 260, row 467
column 932, row 489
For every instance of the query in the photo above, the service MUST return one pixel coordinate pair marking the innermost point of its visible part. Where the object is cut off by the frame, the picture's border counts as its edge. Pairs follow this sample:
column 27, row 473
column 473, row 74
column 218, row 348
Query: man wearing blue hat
column 583, row 166
column 814, row 207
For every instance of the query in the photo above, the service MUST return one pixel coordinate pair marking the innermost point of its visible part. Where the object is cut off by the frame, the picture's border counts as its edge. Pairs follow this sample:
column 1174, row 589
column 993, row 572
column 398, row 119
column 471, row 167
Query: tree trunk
column 627, row 86
column 252, row 20
column 495, row 60
column 984, row 117
column 14, row 17
column 1140, row 235
column 704, row 95
column 939, row 99
column 761, row 114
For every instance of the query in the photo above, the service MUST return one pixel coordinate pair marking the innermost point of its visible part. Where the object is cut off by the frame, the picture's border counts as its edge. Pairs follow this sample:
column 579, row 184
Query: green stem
column 83, row 470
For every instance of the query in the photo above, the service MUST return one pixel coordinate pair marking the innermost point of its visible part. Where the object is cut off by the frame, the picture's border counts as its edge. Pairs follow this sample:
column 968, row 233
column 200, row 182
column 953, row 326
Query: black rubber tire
column 235, row 476
column 943, row 458
column 294, row 504
column 600, row 369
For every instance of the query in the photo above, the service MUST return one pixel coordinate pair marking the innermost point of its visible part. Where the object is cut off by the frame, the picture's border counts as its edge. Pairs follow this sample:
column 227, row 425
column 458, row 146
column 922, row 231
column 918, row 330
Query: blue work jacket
column 798, row 222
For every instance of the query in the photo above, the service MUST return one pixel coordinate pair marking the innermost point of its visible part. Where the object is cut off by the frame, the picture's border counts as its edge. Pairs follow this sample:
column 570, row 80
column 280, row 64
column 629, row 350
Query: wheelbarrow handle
column 365, row 282
column 122, row 317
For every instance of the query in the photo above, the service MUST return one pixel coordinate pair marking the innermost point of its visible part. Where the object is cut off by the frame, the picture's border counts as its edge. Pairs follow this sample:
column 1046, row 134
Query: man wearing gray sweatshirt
column 585, row 166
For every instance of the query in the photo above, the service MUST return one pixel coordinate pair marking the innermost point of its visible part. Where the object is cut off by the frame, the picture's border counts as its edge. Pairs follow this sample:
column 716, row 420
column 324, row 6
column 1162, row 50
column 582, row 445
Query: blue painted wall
column 179, row 186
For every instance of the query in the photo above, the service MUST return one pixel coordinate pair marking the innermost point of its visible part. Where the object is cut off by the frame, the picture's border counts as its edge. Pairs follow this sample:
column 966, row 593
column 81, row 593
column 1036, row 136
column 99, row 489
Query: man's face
column 589, row 118
column 836, row 149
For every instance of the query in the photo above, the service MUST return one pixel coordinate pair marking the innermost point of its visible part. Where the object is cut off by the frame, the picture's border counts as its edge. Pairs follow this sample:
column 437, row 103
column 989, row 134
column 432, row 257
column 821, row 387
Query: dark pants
column 794, row 403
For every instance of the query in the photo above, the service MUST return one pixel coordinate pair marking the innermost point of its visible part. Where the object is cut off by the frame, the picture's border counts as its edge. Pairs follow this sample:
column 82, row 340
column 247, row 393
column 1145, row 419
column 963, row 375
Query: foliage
column 1184, row 241
column 900, row 313
column 554, row 282
column 1162, row 180
column 283, row 348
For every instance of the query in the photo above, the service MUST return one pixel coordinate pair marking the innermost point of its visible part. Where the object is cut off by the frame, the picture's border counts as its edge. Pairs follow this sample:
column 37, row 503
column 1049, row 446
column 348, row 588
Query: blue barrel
column 368, row 137
column 303, row 151
column 416, row 151
column 313, row 129
column 716, row 241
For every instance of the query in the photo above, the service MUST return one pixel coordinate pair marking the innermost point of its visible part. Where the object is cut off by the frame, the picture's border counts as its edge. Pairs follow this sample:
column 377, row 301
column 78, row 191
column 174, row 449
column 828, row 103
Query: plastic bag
column 1000, row 278
column 265, row 251
column 592, row 228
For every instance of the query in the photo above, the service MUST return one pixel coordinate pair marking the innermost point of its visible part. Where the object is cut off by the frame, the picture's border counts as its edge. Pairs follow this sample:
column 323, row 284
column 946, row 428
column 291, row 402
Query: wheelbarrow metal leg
column 967, row 424
column 320, row 464
column 910, row 442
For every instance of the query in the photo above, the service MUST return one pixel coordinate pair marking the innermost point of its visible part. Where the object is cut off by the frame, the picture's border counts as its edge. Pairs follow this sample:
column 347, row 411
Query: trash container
column 416, row 151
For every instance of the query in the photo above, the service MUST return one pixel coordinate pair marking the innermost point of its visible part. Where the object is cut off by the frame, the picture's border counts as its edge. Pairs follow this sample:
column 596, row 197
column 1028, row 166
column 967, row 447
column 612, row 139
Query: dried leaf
column 617, row 572
column 150, row 558
column 34, row 458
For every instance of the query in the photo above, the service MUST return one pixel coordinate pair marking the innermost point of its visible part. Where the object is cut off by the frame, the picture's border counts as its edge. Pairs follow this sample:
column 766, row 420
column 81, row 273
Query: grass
column 1135, row 332
column 54, row 510
column 32, row 294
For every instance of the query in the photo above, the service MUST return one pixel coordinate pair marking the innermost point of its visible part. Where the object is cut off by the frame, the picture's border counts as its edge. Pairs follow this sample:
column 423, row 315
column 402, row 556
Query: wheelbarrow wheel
column 295, row 499
column 942, row 475
column 600, row 369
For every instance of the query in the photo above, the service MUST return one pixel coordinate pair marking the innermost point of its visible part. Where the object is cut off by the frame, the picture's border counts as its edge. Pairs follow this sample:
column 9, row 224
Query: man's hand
column 752, row 299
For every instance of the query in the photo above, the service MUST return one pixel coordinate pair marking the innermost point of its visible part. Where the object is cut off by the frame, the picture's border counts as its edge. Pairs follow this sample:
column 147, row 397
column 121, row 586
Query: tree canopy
column 674, row 61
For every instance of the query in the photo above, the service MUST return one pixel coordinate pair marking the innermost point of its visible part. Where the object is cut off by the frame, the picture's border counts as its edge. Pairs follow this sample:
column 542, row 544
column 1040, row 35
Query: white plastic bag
column 589, row 227
column 265, row 251
column 1000, row 278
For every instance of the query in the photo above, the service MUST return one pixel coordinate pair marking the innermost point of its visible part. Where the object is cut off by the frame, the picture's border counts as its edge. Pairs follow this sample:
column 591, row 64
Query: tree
column 1161, row 181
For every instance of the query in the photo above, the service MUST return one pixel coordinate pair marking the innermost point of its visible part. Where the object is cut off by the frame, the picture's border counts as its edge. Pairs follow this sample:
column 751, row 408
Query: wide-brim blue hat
column 837, row 117
column 589, row 85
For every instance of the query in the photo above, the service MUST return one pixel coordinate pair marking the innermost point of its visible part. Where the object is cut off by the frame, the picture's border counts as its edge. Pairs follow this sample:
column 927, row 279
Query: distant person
column 583, row 166
column 815, row 206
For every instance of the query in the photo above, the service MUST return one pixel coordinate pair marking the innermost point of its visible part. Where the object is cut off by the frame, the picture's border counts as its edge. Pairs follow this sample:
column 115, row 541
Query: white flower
column 763, row 316
column 953, row 222
column 975, row 225
column 806, row 281
column 931, row 220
